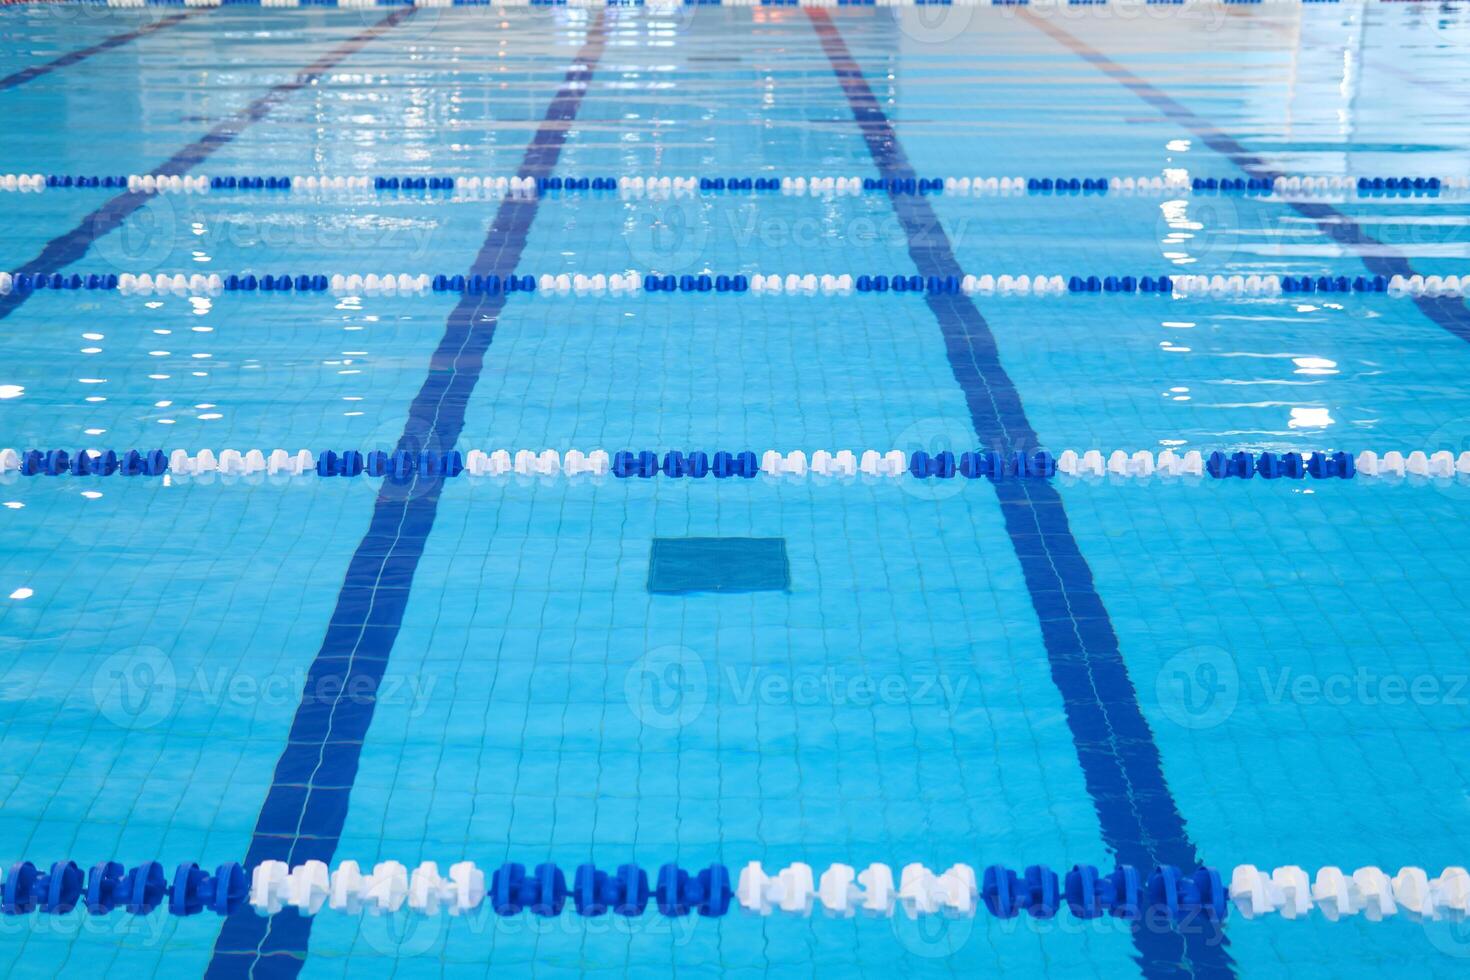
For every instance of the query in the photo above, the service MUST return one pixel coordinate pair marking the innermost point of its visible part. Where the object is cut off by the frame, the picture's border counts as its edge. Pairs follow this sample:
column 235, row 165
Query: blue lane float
column 722, row 465
column 975, row 465
column 109, row 886
column 626, row 891
column 1273, row 466
column 1088, row 894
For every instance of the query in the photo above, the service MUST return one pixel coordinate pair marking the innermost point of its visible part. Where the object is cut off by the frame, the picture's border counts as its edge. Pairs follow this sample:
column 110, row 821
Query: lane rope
column 633, row 282
column 1290, row 186
column 797, row 464
column 841, row 891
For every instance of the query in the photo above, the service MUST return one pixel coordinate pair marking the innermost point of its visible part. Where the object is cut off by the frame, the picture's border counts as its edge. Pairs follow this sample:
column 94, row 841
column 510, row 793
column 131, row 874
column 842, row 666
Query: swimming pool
column 551, row 585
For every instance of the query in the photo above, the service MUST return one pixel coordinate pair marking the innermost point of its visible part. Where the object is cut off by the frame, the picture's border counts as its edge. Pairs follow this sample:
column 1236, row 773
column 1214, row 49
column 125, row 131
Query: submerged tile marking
column 681, row 566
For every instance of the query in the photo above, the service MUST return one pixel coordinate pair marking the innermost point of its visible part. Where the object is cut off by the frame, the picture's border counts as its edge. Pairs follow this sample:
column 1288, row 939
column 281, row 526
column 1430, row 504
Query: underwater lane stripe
column 82, row 54
column 1378, row 257
column 306, row 806
column 71, row 247
column 1139, row 819
column 68, row 248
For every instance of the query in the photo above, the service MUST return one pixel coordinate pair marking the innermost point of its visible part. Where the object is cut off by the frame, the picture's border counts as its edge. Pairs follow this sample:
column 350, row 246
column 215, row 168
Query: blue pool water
column 1029, row 672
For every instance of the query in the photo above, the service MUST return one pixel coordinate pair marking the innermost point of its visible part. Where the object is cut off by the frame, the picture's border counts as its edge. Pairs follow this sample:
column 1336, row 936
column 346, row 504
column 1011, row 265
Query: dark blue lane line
column 1381, row 259
column 62, row 251
column 1140, row 822
column 306, row 806
column 82, row 54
